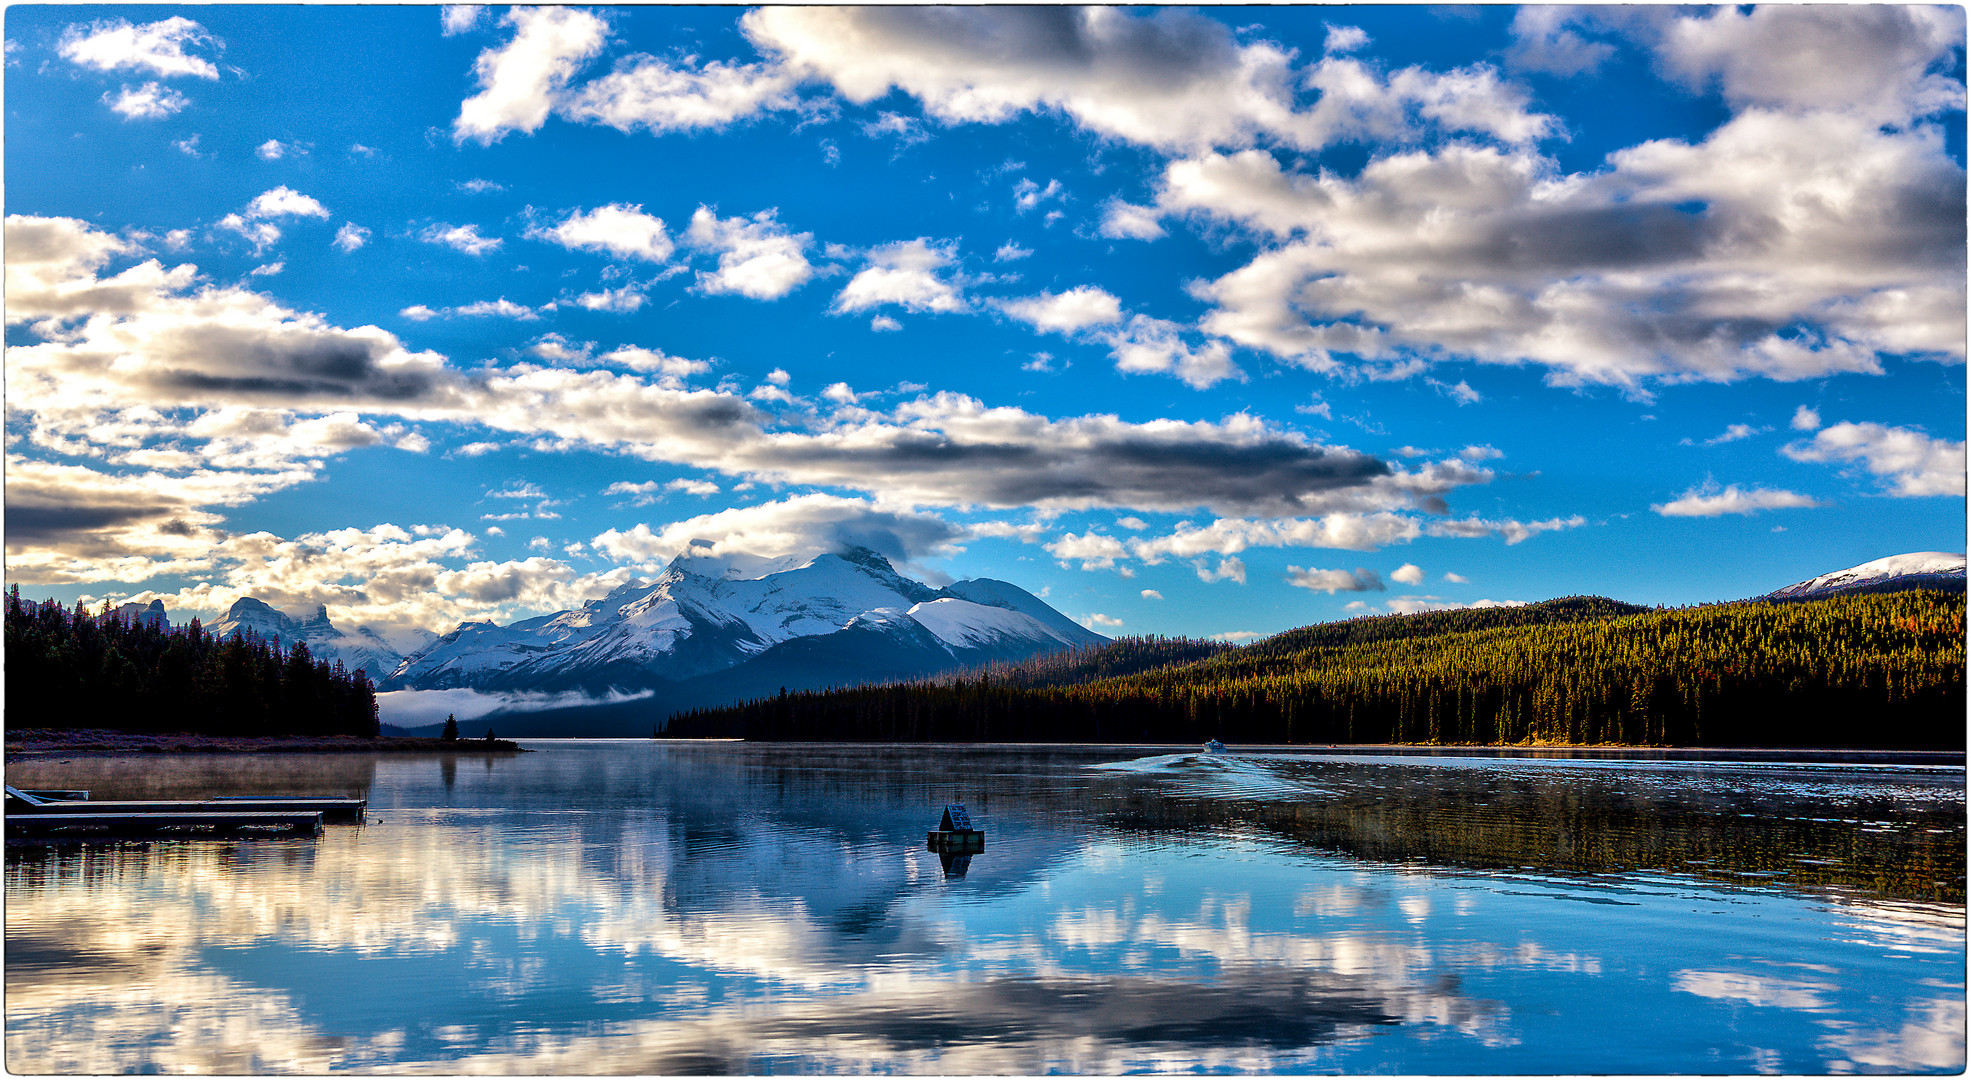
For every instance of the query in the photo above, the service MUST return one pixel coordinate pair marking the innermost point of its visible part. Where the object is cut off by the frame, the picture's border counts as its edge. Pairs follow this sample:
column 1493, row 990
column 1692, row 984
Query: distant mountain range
column 1917, row 570
column 718, row 629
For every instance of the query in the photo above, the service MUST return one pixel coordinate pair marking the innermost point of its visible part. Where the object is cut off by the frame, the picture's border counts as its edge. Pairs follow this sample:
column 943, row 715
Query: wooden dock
column 35, row 815
column 87, row 826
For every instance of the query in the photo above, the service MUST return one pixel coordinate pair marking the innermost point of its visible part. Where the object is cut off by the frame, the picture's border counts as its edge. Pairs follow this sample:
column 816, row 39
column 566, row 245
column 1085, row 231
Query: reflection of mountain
column 641, row 908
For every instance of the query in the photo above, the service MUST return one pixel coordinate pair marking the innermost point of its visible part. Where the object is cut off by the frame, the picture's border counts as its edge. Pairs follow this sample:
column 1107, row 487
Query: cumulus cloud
column 757, row 257
column 1334, row 581
column 1677, row 262
column 1708, row 501
column 164, row 372
column 151, row 101
column 1883, row 62
column 1408, row 574
column 656, row 95
column 1128, row 221
column 1512, row 531
column 350, row 237
column 159, row 47
column 905, row 274
column 1077, row 309
column 1171, row 80
column 1805, row 419
column 1910, row 462
column 800, row 525
column 458, row 18
column 619, row 229
column 464, row 238
column 1096, row 618
column 284, row 201
column 520, row 80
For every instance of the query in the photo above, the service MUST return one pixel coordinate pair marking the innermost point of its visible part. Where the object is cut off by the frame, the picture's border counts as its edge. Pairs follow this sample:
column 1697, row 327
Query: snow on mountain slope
column 1913, row 570
column 364, row 650
column 965, row 624
column 706, row 614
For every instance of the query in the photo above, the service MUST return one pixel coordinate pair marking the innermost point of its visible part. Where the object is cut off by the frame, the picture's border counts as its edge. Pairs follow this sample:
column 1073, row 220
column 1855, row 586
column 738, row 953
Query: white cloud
column 1172, row 80
column 1408, row 574
column 261, row 233
column 350, row 237
column 1334, row 581
column 904, row 273
column 621, row 301
column 215, row 348
column 1127, row 221
column 1456, row 579
column 620, row 229
column 659, row 96
column 151, row 101
column 757, row 257
column 1095, row 618
column 1805, row 419
column 1011, row 252
column 520, row 81
column 1093, row 550
column 1913, row 463
column 1878, row 61
column 883, row 324
column 1152, row 594
column 1028, row 195
column 1509, row 529
column 1145, row 344
column 657, row 362
column 1676, row 262
column 188, row 146
column 800, row 525
column 1064, row 313
column 1708, row 501
column 464, row 238
column 1343, row 39
column 271, row 150
column 1235, row 637
column 1481, row 453
column 268, row 270
column 284, row 201
column 500, row 308
column 458, row 18
column 159, row 47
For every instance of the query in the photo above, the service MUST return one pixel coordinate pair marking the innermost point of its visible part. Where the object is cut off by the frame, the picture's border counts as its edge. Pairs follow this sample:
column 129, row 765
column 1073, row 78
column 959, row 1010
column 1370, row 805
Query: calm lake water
column 630, row 907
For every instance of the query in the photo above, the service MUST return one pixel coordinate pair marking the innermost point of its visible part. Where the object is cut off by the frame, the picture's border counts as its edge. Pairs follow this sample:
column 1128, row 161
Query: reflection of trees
column 732, row 909
column 1799, row 831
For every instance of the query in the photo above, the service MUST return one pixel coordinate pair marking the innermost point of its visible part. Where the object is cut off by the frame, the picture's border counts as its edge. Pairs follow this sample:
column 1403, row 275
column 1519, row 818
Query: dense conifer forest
column 68, row 669
column 1883, row 670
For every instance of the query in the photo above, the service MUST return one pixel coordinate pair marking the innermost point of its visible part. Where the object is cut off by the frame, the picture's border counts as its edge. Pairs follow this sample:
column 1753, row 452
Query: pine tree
column 451, row 732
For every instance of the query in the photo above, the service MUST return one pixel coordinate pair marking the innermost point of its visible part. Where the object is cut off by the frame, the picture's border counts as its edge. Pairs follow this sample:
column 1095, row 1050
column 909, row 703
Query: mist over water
column 637, row 907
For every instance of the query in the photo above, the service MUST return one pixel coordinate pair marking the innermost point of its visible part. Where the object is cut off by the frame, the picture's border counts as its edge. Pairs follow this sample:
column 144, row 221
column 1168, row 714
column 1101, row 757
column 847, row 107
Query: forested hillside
column 66, row 669
column 1088, row 663
column 1874, row 670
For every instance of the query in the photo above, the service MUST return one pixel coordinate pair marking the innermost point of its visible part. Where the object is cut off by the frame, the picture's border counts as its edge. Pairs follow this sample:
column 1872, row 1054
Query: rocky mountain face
column 712, row 629
column 362, row 650
column 1916, row 570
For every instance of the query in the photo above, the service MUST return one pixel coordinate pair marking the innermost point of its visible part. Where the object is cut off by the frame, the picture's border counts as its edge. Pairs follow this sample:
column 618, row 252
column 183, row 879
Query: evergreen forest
column 68, row 669
column 1881, row 670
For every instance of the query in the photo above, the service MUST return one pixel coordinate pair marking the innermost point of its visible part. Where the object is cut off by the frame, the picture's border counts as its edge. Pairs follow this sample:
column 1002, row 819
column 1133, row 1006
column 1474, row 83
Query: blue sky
column 1204, row 322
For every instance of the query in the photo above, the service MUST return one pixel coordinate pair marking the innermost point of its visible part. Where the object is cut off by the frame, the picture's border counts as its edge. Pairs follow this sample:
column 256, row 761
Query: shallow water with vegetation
column 639, row 907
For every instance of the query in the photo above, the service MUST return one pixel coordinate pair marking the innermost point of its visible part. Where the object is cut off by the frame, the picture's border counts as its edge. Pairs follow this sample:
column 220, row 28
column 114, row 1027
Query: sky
column 1204, row 322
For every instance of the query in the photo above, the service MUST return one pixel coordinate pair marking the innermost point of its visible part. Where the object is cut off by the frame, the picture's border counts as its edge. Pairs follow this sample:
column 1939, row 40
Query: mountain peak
column 1913, row 570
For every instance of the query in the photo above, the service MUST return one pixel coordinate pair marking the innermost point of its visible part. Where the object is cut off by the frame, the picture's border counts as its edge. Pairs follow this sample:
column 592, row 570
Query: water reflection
column 630, row 908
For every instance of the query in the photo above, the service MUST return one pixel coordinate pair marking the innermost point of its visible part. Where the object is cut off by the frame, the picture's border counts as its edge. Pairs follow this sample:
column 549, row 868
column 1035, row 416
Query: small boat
column 1214, row 747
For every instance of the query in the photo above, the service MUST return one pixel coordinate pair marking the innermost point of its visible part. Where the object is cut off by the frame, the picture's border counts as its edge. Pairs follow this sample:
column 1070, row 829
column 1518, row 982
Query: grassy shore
column 28, row 744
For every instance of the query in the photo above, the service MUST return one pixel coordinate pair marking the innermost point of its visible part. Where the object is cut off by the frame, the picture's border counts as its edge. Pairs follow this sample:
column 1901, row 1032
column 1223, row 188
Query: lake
column 642, row 907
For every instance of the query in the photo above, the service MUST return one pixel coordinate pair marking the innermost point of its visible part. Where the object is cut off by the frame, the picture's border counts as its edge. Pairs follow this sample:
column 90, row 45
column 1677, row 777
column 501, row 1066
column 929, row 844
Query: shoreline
column 42, row 744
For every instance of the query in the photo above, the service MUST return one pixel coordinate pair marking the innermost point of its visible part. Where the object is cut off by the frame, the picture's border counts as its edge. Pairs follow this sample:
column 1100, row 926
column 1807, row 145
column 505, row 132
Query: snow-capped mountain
column 727, row 627
column 1916, row 570
column 362, row 650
